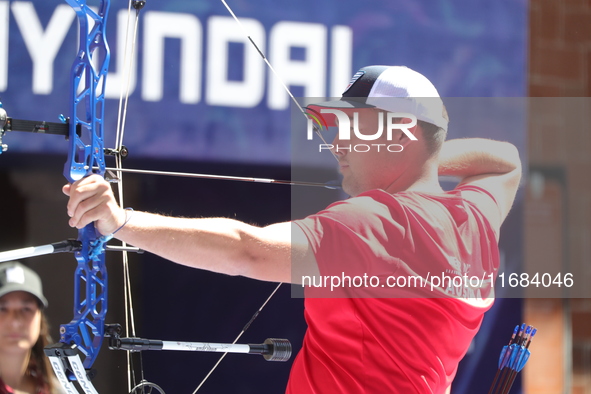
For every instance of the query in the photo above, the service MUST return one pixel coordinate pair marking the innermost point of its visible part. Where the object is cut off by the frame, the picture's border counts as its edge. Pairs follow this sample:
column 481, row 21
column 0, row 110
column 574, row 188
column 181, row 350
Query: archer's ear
column 406, row 135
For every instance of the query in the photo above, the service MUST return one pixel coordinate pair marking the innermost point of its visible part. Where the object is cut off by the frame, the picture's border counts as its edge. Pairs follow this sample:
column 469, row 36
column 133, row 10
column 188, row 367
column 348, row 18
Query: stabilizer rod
column 69, row 245
column 273, row 349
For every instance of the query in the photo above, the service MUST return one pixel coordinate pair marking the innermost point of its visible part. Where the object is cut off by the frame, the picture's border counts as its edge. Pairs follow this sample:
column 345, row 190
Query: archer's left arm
column 221, row 245
column 215, row 244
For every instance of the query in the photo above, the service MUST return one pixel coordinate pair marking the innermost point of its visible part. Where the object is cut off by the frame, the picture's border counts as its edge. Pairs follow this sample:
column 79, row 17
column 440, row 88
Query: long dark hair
column 39, row 366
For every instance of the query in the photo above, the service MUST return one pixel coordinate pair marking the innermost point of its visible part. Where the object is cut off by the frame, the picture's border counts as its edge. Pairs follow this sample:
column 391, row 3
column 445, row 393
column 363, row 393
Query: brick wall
column 560, row 48
column 560, row 143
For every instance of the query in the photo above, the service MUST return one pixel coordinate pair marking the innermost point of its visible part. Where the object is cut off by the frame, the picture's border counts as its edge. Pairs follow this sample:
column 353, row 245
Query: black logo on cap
column 357, row 75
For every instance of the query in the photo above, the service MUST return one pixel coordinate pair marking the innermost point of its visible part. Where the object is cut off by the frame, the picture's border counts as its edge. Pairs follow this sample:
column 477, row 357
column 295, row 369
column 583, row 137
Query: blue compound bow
column 86, row 156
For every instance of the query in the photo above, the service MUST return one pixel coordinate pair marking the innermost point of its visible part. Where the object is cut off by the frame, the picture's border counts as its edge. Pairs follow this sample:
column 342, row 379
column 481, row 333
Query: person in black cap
column 24, row 332
column 368, row 332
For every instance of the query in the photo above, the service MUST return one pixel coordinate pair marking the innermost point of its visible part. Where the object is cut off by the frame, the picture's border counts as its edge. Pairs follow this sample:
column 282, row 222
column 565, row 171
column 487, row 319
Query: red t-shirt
column 368, row 336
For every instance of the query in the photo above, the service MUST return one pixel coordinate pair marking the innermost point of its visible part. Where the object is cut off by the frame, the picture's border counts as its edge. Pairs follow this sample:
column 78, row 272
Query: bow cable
column 129, row 54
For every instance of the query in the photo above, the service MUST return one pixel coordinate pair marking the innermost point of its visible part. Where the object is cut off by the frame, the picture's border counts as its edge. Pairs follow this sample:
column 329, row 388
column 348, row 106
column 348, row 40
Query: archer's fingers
column 92, row 200
column 85, row 189
column 105, row 217
column 90, row 210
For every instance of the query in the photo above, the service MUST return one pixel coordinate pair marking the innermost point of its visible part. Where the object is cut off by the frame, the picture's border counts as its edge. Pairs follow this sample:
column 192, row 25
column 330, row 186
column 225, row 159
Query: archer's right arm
column 491, row 165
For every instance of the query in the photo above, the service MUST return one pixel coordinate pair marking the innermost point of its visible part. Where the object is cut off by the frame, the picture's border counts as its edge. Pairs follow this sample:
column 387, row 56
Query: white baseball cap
column 393, row 89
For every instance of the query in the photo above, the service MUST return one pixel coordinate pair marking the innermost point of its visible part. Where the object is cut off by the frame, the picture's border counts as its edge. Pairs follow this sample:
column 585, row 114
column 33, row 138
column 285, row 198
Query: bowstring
column 275, row 73
column 239, row 336
column 121, row 119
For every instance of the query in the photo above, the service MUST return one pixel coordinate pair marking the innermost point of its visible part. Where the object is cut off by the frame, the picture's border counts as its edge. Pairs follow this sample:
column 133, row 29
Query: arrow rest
column 122, row 153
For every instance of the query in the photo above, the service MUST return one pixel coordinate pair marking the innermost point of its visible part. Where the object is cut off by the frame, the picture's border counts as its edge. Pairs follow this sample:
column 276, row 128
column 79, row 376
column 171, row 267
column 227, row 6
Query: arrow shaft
column 221, row 177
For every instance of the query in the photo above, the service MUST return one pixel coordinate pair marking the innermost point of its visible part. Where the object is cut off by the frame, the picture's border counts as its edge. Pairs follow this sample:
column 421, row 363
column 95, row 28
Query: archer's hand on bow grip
column 92, row 200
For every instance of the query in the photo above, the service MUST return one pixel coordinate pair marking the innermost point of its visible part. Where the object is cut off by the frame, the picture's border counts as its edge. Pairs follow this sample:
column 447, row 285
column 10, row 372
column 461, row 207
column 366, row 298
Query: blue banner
column 200, row 91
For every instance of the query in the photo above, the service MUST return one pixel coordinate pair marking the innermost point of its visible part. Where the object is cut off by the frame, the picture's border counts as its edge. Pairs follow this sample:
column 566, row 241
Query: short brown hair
column 434, row 135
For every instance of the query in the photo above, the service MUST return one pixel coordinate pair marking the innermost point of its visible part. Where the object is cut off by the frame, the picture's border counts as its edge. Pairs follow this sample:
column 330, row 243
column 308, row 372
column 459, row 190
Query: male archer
column 399, row 223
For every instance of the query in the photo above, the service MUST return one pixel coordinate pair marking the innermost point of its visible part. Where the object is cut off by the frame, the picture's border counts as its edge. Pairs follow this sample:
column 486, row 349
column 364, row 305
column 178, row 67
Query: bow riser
column 86, row 156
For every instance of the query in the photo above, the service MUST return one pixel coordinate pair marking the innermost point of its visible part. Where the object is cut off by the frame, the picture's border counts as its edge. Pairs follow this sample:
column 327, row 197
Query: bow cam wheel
column 145, row 387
